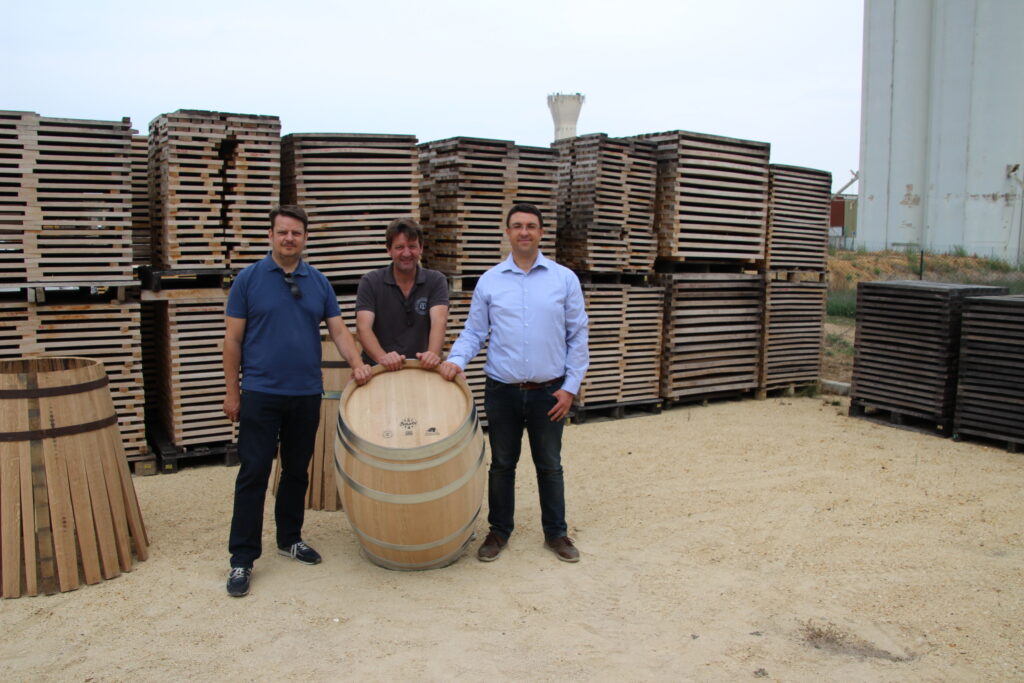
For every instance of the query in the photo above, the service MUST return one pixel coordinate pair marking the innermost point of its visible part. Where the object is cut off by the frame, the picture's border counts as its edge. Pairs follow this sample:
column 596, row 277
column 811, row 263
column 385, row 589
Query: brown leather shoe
column 564, row 548
column 491, row 547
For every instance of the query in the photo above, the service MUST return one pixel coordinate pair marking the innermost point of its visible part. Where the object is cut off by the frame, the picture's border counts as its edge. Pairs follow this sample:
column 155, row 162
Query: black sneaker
column 301, row 552
column 238, row 581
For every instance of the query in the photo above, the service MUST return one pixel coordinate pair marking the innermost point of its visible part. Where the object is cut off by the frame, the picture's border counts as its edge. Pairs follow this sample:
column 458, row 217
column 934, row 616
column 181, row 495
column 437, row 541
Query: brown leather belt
column 530, row 386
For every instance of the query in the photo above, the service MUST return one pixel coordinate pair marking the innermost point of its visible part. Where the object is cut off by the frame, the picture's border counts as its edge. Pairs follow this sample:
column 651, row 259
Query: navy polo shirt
column 281, row 347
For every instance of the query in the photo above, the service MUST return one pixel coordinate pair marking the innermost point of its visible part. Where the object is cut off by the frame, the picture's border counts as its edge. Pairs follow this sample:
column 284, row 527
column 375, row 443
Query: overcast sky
column 787, row 72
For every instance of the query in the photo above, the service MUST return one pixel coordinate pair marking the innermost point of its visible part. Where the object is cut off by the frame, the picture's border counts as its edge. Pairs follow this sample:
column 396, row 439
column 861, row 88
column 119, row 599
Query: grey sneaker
column 238, row 581
column 301, row 552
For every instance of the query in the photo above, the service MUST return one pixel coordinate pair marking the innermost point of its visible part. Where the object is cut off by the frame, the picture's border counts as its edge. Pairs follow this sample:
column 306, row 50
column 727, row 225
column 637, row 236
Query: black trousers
column 266, row 420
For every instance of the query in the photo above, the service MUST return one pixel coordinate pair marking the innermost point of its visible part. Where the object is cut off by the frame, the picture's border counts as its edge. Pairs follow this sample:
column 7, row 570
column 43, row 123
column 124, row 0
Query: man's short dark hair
column 403, row 226
column 292, row 211
column 523, row 207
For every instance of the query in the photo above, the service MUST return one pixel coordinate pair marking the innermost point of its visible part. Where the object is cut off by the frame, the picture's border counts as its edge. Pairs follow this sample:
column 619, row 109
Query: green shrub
column 842, row 303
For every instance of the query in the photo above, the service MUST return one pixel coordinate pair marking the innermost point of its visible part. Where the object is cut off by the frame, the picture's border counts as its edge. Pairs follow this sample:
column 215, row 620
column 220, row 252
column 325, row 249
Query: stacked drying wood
column 908, row 339
column 625, row 344
column 458, row 311
column 189, row 335
column 712, row 198
column 793, row 322
column 67, row 200
column 15, row 328
column 17, row 161
column 468, row 185
column 351, row 186
column 142, row 238
column 990, row 393
column 606, row 213
column 109, row 332
column 213, row 178
column 712, row 334
column 798, row 218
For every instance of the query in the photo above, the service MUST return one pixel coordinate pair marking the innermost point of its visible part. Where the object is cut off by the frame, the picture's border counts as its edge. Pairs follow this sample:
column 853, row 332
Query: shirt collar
column 389, row 275
column 269, row 263
column 510, row 264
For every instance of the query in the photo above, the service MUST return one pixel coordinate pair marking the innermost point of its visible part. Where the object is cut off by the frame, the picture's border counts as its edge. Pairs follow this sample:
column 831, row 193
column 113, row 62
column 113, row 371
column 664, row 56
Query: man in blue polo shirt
column 272, row 337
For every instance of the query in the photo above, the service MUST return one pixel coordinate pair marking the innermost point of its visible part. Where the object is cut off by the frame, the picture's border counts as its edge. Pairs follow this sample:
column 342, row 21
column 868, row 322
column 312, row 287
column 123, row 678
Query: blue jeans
column 509, row 409
column 265, row 420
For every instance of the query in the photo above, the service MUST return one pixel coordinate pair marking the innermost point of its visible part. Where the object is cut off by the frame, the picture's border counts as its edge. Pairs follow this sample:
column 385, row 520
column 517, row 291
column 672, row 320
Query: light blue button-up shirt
column 537, row 323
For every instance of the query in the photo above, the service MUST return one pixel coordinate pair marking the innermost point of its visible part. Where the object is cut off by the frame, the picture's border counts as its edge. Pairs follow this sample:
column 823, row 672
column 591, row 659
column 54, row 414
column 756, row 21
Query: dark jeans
column 509, row 409
column 265, row 420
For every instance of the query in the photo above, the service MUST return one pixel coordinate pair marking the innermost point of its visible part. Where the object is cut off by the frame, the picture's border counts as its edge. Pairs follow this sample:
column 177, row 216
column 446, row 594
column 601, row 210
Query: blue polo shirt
column 281, row 347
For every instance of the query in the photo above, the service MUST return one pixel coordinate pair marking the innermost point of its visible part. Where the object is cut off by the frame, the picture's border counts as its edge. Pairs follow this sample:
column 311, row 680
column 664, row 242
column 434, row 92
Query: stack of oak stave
column 213, row 179
column 907, row 350
column 351, row 186
column 711, row 210
column 796, row 285
column 66, row 259
column 606, row 192
column 468, row 185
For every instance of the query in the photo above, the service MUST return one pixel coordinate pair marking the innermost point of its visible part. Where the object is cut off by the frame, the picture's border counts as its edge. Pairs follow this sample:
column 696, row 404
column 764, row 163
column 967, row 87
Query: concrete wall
column 942, row 118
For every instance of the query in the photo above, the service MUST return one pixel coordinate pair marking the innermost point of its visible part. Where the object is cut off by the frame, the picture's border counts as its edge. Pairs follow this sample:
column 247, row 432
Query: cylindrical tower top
column 565, row 110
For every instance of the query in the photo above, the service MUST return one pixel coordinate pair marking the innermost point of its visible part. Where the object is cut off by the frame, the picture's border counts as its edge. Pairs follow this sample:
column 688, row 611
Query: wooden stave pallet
column 907, row 344
column 711, row 353
column 990, row 397
column 793, row 325
column 710, row 188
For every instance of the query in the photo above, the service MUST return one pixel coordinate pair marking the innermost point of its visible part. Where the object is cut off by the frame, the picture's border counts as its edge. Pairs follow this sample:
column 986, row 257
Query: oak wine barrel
column 410, row 459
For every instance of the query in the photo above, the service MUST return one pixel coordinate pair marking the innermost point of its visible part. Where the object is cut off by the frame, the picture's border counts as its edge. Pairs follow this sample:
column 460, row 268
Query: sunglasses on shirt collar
column 289, row 279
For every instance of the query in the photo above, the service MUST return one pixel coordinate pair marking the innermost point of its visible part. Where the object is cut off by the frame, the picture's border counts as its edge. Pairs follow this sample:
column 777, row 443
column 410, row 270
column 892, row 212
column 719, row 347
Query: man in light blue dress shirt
column 534, row 311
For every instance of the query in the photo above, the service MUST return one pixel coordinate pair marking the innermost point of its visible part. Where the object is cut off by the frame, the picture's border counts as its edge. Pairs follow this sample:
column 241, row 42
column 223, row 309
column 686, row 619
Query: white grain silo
column 942, row 143
column 565, row 110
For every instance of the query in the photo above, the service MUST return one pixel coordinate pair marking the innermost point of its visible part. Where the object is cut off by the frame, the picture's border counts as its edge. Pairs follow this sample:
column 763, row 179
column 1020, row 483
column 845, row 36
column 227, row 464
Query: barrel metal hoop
column 392, row 466
column 53, row 432
column 418, row 453
column 331, row 395
column 334, row 364
column 411, row 498
column 422, row 546
column 65, row 390
column 416, row 566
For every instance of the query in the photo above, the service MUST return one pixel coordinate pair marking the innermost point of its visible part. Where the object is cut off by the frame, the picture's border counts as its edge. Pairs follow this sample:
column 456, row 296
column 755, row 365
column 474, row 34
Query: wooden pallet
column 712, row 197
column 142, row 237
column 458, row 311
column 213, row 179
column 990, row 388
column 467, row 187
column 351, row 186
column 625, row 338
column 606, row 204
column 907, row 346
column 793, row 325
column 799, row 206
column 712, row 334
column 108, row 332
column 188, row 341
column 17, row 161
column 66, row 199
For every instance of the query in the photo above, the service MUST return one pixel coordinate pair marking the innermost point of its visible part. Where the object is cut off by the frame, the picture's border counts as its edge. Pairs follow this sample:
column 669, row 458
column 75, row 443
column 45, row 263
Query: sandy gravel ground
column 776, row 540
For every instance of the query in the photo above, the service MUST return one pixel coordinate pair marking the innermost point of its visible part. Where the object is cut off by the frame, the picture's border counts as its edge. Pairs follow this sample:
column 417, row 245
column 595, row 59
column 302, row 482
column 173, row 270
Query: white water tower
column 565, row 110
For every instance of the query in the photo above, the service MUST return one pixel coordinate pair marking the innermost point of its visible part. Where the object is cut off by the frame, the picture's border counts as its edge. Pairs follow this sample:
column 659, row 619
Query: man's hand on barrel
column 563, row 404
column 428, row 360
column 449, row 370
column 362, row 374
column 392, row 360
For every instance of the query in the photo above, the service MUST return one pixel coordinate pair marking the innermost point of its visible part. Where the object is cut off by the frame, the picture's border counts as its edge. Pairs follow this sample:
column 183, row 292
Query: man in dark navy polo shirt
column 272, row 337
column 402, row 309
